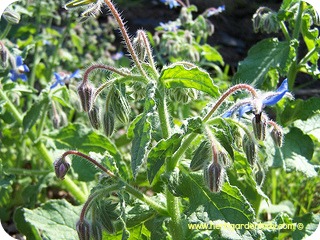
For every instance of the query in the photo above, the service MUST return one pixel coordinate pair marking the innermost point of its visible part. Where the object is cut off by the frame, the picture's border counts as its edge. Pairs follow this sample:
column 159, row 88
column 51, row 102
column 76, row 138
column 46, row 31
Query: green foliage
column 167, row 118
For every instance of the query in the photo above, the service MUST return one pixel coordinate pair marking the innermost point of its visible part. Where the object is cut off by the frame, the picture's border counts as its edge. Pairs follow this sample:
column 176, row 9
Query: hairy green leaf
column 158, row 154
column 228, row 205
column 267, row 54
column 58, row 213
column 180, row 76
column 140, row 143
column 310, row 126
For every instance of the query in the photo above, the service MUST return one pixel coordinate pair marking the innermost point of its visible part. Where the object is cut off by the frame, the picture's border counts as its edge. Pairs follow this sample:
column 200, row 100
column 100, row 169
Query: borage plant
column 163, row 177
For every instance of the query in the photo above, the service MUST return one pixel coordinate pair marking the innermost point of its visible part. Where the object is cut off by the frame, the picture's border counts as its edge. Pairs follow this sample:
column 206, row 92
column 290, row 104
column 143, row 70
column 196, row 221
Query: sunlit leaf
column 194, row 77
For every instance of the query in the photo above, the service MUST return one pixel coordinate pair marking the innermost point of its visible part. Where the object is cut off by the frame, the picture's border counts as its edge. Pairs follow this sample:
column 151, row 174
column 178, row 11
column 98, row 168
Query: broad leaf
column 58, row 213
column 299, row 109
column 267, row 54
column 310, row 126
column 33, row 114
column 158, row 154
column 140, row 143
column 229, row 205
column 294, row 154
column 181, row 76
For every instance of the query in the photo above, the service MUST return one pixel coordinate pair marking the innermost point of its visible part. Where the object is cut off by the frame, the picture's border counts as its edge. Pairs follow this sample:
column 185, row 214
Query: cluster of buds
column 213, row 161
column 265, row 20
column 260, row 121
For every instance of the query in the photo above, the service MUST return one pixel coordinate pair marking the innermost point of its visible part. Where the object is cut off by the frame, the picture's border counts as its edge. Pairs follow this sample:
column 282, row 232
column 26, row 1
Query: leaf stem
column 6, row 31
column 136, row 193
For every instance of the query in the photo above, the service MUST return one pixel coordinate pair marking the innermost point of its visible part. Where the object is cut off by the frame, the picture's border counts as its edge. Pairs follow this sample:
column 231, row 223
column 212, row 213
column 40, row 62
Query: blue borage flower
column 169, row 26
column 256, row 105
column 215, row 11
column 171, row 3
column 19, row 70
column 62, row 78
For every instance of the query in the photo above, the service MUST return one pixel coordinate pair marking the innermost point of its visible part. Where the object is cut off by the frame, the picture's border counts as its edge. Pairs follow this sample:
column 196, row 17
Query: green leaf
column 33, row 114
column 25, row 228
column 82, row 138
column 229, row 205
column 192, row 125
column 58, row 213
column 158, row 154
column 211, row 54
column 294, row 154
column 310, row 223
column 310, row 126
column 299, row 109
column 180, row 76
column 310, row 36
column 267, row 54
column 140, row 143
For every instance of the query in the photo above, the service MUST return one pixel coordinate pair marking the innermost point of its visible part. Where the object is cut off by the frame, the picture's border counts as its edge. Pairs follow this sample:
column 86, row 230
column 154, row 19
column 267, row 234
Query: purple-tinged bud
column 224, row 159
column 96, row 230
column 277, row 136
column 61, row 167
column 85, row 92
column 83, row 230
column 214, row 176
column 249, row 149
column 94, row 117
column 259, row 125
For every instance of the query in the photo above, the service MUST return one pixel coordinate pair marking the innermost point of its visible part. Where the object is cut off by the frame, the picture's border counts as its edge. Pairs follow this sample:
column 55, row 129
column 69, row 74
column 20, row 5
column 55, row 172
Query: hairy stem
column 126, row 37
column 136, row 193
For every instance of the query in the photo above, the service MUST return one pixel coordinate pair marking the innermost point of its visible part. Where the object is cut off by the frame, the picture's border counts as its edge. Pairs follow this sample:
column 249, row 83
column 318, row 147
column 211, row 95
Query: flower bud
column 3, row 55
column 108, row 123
column 94, row 118
column 83, row 230
column 85, row 92
column 11, row 16
column 259, row 125
column 139, row 46
column 201, row 155
column 61, row 167
column 277, row 136
column 120, row 105
column 96, row 230
column 214, row 176
column 223, row 159
column 249, row 149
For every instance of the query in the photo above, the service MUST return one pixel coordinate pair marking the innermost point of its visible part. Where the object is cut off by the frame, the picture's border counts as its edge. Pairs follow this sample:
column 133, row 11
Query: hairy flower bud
column 259, row 125
column 85, row 92
column 214, row 176
column 265, row 20
column 61, row 167
column 201, row 155
column 94, row 118
column 11, row 16
column 223, row 159
column 139, row 46
column 120, row 105
column 83, row 230
column 277, row 136
column 96, row 230
column 249, row 149
column 108, row 123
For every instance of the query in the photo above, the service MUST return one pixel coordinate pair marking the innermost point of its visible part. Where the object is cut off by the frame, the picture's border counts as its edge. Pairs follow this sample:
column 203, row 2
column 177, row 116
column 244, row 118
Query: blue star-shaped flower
column 171, row 3
column 256, row 105
column 63, row 78
column 19, row 70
